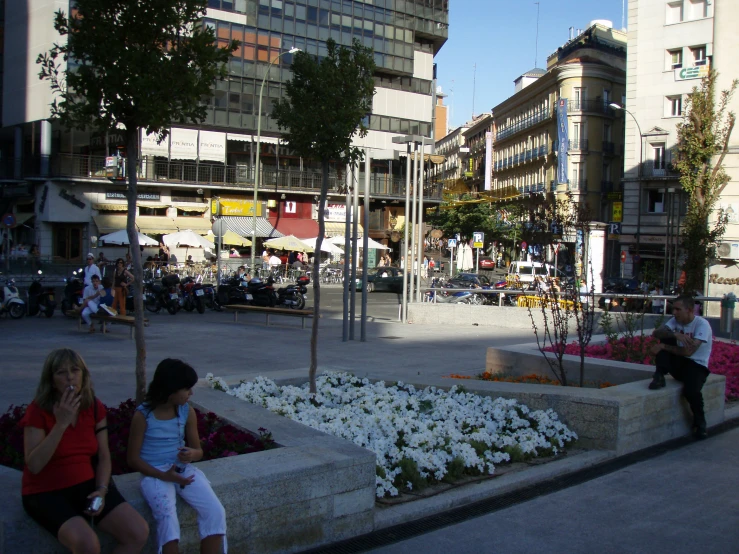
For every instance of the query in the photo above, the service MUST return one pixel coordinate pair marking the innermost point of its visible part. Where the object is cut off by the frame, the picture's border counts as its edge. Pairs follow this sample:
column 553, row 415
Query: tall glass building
column 197, row 163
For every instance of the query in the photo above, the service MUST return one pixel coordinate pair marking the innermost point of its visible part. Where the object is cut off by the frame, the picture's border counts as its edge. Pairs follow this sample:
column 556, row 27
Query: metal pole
column 259, row 151
column 421, row 234
column 347, row 243
column 404, row 303
column 365, row 244
column 355, row 250
column 410, row 264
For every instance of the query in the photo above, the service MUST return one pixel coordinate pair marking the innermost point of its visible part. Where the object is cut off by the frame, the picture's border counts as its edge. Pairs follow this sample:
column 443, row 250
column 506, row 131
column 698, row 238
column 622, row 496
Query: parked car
column 525, row 272
column 468, row 279
column 386, row 278
column 487, row 263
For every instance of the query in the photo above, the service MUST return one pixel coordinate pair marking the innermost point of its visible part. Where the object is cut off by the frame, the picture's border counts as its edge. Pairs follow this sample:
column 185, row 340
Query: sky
column 499, row 37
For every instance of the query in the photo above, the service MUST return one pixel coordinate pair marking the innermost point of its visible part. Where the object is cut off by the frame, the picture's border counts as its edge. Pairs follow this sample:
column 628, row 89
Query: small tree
column 133, row 65
column 324, row 106
column 702, row 144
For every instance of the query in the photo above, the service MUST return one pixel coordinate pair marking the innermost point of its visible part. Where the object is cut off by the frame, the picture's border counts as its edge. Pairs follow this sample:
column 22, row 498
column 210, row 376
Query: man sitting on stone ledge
column 683, row 352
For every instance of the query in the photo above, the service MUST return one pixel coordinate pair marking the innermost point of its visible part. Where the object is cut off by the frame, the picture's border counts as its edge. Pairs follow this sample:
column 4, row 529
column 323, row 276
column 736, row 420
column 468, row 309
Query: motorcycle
column 263, row 293
column 162, row 294
column 293, row 296
column 193, row 295
column 233, row 291
column 10, row 301
column 72, row 293
column 40, row 298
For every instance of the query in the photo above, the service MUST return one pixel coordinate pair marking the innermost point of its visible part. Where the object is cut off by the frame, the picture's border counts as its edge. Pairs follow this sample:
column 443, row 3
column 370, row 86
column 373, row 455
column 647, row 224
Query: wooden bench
column 236, row 308
column 106, row 319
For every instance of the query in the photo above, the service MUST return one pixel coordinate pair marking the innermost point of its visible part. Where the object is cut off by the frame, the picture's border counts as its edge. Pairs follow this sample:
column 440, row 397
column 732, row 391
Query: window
column 658, row 158
column 698, row 9
column 673, row 106
column 607, row 132
column 579, row 96
column 606, row 97
column 655, row 202
column 675, row 58
column 699, row 55
column 674, row 12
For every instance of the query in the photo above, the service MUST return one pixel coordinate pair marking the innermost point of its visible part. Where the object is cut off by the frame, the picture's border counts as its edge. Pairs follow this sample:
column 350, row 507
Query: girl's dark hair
column 120, row 261
column 170, row 376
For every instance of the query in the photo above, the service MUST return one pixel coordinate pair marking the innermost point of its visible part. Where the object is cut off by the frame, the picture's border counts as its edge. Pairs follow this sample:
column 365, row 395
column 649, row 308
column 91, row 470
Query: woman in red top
column 64, row 427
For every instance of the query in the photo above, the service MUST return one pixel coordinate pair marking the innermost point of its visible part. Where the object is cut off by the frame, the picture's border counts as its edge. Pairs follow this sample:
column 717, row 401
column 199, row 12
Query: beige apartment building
column 671, row 46
column 587, row 73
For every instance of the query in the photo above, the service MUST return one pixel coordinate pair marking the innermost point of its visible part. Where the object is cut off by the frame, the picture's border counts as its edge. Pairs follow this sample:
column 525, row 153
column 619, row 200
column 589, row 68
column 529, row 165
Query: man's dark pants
column 692, row 375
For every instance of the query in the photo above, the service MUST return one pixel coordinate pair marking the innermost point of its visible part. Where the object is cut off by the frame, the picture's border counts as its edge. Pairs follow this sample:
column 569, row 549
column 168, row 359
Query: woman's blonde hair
column 47, row 395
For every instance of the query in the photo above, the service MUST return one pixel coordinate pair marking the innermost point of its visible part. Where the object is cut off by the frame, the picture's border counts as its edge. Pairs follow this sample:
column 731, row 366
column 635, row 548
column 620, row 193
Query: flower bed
column 724, row 358
column 217, row 438
column 418, row 436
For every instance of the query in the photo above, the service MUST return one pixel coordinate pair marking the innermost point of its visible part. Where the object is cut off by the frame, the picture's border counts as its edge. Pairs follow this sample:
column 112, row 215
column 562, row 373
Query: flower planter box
column 315, row 489
column 623, row 418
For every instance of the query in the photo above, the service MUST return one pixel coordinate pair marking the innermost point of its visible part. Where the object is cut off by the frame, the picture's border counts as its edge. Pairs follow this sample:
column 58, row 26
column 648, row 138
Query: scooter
column 72, row 293
column 10, row 301
column 40, row 298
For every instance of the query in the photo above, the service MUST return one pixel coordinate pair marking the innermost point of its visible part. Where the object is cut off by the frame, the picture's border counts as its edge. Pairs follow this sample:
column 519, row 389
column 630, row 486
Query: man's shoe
column 700, row 432
column 658, row 381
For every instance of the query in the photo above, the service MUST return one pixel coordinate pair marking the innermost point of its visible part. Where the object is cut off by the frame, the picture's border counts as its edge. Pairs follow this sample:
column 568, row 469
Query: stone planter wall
column 314, row 490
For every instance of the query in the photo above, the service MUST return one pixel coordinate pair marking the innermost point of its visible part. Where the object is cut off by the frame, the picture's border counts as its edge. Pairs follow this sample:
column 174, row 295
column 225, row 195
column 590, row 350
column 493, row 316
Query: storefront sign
column 687, row 73
column 236, row 206
column 150, row 146
column 563, row 134
column 618, row 211
column 72, row 199
column 714, row 279
column 184, row 144
column 116, row 195
column 335, row 212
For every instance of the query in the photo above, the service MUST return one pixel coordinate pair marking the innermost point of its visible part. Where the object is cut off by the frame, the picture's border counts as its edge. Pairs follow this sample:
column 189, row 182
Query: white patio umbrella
column 289, row 242
column 121, row 237
column 326, row 246
column 360, row 243
column 187, row 238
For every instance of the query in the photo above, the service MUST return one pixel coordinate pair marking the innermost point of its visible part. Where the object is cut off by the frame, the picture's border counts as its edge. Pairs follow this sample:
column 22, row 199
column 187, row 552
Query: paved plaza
column 681, row 501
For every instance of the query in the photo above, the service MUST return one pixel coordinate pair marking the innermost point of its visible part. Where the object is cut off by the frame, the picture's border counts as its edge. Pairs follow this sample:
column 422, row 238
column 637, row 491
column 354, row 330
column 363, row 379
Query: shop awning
column 21, row 218
column 198, row 224
column 301, row 228
column 243, row 226
column 154, row 205
column 152, row 225
column 200, row 208
column 111, row 207
column 338, row 229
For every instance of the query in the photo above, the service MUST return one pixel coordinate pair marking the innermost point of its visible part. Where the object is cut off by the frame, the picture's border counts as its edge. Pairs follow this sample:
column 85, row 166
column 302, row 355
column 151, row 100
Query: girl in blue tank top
column 162, row 446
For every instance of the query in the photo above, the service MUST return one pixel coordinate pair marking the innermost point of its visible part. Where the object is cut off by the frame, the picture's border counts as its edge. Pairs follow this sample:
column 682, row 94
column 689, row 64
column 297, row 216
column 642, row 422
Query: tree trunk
column 317, row 279
column 132, row 154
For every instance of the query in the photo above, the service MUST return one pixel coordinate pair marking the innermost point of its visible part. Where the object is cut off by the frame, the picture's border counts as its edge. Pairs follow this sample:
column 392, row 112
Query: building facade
column 671, row 46
column 196, row 163
column 534, row 154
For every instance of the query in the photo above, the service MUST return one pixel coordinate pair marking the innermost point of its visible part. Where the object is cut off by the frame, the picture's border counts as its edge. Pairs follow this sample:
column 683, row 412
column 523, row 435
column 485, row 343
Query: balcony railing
column 157, row 170
column 580, row 145
column 531, row 189
column 597, row 106
column 529, row 121
column 664, row 168
column 606, row 187
column 608, row 147
column 580, row 185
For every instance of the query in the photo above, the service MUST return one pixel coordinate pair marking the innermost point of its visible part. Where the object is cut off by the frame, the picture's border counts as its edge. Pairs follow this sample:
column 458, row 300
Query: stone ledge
column 314, row 490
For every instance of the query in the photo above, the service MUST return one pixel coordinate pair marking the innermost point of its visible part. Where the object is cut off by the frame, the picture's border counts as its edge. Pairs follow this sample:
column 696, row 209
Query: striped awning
column 200, row 208
column 338, row 229
column 153, row 225
column 243, row 225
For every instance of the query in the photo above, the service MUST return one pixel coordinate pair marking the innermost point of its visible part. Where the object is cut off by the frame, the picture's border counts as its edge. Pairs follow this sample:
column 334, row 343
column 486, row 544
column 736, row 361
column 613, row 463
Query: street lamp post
column 259, row 151
column 615, row 106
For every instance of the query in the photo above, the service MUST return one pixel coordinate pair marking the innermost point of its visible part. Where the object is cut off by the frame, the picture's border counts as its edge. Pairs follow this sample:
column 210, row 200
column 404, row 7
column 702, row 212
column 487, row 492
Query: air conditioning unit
column 728, row 250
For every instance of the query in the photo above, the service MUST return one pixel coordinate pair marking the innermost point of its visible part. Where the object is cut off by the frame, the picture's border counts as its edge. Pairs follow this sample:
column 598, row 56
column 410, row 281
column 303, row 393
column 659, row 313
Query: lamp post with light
column 259, row 151
column 615, row 106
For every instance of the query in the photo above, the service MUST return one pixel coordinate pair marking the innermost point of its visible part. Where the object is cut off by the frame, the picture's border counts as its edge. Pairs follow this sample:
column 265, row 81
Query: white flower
column 430, row 428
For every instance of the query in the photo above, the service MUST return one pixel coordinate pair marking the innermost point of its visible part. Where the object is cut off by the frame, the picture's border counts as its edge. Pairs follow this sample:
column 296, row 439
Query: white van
column 526, row 271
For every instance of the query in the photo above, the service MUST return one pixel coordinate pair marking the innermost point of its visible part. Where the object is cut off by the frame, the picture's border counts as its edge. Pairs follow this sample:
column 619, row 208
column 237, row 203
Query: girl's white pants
column 162, row 499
